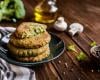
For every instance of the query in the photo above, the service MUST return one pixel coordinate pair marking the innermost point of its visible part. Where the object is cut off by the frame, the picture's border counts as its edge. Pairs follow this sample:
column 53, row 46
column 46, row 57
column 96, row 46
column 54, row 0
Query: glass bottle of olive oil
column 46, row 11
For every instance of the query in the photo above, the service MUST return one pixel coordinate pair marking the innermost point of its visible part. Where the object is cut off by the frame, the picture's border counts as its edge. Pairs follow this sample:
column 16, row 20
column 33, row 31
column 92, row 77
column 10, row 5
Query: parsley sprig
column 81, row 57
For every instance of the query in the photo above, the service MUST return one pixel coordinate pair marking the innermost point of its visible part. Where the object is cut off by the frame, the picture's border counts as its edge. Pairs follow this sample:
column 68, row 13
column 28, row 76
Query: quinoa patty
column 34, row 59
column 20, row 52
column 29, row 29
column 33, row 42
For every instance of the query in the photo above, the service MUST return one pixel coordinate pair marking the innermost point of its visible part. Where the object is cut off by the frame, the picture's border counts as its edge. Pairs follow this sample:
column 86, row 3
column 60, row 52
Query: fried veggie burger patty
column 33, row 42
column 34, row 59
column 20, row 52
column 29, row 29
column 30, row 42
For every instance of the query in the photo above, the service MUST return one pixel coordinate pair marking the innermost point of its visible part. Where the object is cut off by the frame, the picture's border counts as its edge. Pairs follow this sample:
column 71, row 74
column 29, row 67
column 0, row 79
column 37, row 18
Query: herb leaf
column 81, row 57
column 92, row 44
column 71, row 47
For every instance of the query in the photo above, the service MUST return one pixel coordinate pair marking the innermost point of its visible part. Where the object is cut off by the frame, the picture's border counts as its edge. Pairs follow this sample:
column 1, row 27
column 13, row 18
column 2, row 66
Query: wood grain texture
column 66, row 67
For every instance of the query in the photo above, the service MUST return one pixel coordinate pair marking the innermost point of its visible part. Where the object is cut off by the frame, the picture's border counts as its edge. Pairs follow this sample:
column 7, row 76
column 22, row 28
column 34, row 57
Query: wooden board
column 66, row 67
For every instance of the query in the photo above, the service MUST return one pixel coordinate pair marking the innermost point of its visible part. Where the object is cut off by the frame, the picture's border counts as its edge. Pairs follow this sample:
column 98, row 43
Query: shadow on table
column 90, row 65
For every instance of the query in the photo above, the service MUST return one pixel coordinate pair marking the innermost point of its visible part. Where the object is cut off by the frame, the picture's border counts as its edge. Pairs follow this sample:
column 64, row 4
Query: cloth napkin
column 9, row 71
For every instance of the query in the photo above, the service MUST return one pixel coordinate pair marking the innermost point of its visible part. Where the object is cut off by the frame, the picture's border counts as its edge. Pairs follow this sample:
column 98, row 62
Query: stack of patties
column 30, row 42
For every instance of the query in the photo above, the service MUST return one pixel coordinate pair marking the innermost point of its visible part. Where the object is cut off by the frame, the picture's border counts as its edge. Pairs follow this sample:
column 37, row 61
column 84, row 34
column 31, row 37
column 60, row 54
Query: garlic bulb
column 60, row 24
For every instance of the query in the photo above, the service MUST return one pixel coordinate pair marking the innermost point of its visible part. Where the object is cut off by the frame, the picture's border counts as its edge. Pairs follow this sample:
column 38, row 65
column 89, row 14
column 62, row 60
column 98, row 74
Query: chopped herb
column 71, row 47
column 81, row 57
column 93, row 44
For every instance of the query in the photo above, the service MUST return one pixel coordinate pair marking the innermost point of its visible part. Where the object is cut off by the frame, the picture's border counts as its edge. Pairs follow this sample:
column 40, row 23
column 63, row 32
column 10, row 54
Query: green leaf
column 81, row 57
column 71, row 47
column 11, row 9
column 19, row 9
column 1, row 15
column 92, row 44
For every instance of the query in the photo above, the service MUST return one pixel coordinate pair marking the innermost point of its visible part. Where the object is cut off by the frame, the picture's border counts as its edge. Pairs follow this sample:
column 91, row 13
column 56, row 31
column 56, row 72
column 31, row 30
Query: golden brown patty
column 26, row 52
column 20, row 52
column 29, row 29
column 33, row 42
column 37, row 58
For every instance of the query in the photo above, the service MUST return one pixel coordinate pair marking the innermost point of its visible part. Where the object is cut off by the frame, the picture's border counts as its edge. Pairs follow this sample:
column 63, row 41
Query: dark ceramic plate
column 56, row 47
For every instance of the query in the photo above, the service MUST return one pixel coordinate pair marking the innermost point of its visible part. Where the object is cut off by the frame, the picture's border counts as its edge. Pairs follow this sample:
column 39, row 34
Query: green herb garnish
column 81, row 57
column 71, row 47
column 92, row 44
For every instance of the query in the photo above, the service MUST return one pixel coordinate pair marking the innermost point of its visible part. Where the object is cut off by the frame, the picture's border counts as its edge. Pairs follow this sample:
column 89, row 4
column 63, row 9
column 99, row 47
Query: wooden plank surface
column 66, row 67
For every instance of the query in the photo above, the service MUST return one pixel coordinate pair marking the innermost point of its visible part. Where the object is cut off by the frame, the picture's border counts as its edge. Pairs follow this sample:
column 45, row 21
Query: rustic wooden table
column 66, row 67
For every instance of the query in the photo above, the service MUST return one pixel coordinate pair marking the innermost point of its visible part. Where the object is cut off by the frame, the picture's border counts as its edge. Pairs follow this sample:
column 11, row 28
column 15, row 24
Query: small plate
column 57, row 47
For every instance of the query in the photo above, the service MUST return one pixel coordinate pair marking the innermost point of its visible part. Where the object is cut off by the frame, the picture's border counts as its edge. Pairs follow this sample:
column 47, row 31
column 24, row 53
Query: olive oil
column 43, row 14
